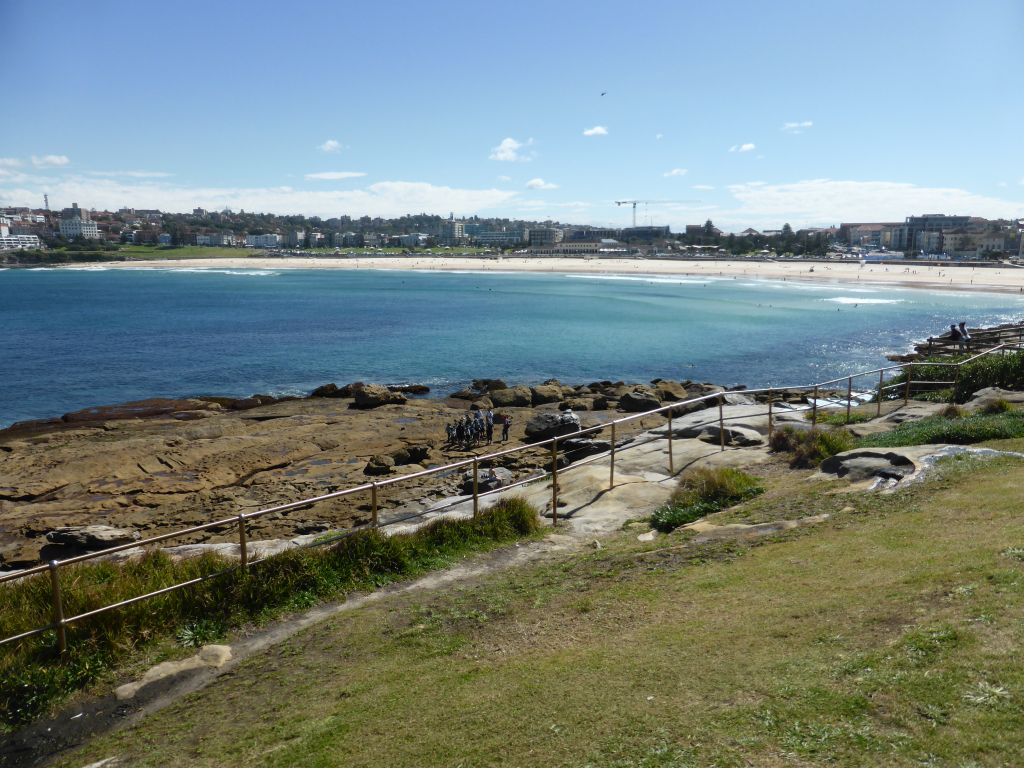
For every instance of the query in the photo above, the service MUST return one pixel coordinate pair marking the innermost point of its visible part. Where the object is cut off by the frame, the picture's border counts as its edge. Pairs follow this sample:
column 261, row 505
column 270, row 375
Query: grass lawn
column 185, row 252
column 888, row 635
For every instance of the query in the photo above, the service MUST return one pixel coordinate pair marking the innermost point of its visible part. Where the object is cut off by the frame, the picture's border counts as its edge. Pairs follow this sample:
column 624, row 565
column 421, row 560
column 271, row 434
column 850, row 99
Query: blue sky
column 748, row 113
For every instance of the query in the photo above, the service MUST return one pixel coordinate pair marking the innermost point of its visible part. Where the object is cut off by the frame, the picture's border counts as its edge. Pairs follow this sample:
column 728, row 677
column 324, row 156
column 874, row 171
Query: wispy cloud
column 540, row 184
column 131, row 174
column 675, row 172
column 508, row 151
column 597, row 130
column 330, row 146
column 49, row 161
column 385, row 198
column 797, row 127
column 748, row 147
column 659, row 136
column 702, row 186
column 10, row 162
column 334, row 175
column 504, row 178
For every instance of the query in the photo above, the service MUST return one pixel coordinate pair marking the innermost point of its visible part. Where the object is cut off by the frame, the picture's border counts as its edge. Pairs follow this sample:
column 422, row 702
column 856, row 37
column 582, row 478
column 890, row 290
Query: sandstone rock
column 670, row 391
column 328, row 390
column 412, row 454
column 91, row 537
column 639, row 399
column 741, row 436
column 577, row 448
column 512, row 397
column 375, row 395
column 487, row 385
column 487, row 481
column 984, row 398
column 864, row 464
column 379, row 465
column 483, row 404
column 734, row 398
column 139, row 409
column 546, row 393
column 465, row 394
column 410, row 389
column 550, row 424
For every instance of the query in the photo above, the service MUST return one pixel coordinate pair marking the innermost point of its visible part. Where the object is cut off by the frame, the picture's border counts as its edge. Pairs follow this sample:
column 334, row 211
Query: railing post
column 554, row 482
column 849, row 397
column 814, row 408
column 721, row 423
column 58, row 608
column 373, row 505
column 671, row 462
column 771, row 398
column 243, row 548
column 476, row 487
column 611, row 464
column 881, row 383
column 906, row 389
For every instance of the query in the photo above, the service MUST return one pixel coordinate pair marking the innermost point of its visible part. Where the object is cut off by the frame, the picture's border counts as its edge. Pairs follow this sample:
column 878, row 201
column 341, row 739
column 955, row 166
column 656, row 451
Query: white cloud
column 508, row 151
column 659, row 136
column 504, row 178
column 10, row 162
column 540, row 184
column 701, row 186
column 748, row 147
column 675, row 172
column 330, row 146
column 597, row 130
column 49, row 161
column 797, row 127
column 334, row 175
column 132, row 174
column 385, row 198
column 817, row 202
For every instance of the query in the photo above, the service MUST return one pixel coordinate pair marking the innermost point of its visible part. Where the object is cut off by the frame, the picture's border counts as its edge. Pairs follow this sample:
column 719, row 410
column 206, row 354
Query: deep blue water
column 75, row 338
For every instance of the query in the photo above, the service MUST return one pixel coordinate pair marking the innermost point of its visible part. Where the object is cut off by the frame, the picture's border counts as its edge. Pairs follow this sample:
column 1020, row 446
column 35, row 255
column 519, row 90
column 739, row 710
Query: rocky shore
column 150, row 467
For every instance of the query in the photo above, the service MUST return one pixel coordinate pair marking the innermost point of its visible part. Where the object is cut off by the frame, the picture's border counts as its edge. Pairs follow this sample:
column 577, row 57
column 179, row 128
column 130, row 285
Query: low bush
column 837, row 418
column 1005, row 371
column 958, row 431
column 809, row 447
column 33, row 676
column 702, row 492
column 952, row 411
column 997, row 406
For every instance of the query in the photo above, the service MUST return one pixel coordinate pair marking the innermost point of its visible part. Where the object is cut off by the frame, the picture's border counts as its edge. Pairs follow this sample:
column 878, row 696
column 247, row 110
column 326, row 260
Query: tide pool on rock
column 79, row 338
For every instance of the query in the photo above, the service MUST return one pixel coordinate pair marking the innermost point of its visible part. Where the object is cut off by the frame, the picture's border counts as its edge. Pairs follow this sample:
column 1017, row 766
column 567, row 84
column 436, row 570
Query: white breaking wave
column 649, row 279
column 859, row 300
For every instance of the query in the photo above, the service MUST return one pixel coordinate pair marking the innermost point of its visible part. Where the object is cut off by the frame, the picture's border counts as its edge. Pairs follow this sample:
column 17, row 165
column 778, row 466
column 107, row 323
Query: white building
column 5, row 226
column 216, row 239
column 263, row 241
column 75, row 222
column 19, row 242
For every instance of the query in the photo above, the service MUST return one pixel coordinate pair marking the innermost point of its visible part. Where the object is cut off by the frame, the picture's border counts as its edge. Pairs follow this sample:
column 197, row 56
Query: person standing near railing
column 965, row 337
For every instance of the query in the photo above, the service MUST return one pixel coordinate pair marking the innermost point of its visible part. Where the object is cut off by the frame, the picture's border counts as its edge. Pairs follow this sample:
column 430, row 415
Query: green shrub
column 702, row 492
column 952, row 411
column 809, row 447
column 33, row 676
column 997, row 406
column 838, row 417
column 958, row 431
column 1005, row 371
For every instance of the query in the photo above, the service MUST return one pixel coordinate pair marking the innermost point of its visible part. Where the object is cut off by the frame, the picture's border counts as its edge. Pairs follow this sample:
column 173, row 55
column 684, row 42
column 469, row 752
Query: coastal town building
column 452, row 232
column 216, row 239
column 263, row 241
column 5, row 226
column 19, row 242
column 542, row 236
column 295, row 238
column 316, row 240
column 502, row 237
column 75, row 222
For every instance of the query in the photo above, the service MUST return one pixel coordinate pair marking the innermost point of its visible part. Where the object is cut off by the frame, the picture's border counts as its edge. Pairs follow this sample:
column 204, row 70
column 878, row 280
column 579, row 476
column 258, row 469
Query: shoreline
column 1001, row 279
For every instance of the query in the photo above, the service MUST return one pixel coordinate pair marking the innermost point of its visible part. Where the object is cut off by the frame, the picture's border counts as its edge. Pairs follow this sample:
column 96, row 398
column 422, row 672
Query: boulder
column 544, row 426
column 639, row 399
column 379, row 465
column 139, row 409
column 411, row 454
column 983, row 398
column 487, row 385
column 327, row 390
column 483, row 404
column 670, row 391
column 577, row 448
column 741, row 436
column 91, row 537
column 375, row 395
column 580, row 404
column 465, row 394
column 410, row 389
column 546, row 393
column 489, row 479
column 734, row 398
column 512, row 397
column 865, row 464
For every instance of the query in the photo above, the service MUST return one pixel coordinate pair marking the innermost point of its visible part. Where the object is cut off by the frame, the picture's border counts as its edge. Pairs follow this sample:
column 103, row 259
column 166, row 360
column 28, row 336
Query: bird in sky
column 603, row 92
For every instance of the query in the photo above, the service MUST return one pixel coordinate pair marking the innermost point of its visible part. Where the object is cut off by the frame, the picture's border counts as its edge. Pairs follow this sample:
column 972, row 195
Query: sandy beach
column 1003, row 279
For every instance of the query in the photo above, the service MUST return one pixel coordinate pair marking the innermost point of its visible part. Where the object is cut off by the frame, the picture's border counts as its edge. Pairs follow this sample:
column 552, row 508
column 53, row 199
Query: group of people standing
column 477, row 426
column 959, row 335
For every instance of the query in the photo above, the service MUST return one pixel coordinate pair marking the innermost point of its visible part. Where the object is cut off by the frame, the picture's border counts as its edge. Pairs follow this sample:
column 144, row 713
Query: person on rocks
column 489, row 423
column 965, row 337
column 954, row 335
column 505, row 424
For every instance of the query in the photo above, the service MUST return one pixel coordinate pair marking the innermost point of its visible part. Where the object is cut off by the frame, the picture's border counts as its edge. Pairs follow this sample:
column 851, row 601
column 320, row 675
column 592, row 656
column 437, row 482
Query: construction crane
column 645, row 202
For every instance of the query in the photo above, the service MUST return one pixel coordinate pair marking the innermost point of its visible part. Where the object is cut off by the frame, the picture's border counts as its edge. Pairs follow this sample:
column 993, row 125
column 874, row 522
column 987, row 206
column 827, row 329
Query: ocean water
column 73, row 338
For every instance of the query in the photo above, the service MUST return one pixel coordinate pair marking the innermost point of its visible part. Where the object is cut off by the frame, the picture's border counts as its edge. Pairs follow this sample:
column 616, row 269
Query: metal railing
column 816, row 393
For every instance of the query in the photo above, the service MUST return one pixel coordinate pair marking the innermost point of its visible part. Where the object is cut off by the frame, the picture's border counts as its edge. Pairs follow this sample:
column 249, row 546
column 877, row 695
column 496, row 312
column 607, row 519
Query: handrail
column 240, row 519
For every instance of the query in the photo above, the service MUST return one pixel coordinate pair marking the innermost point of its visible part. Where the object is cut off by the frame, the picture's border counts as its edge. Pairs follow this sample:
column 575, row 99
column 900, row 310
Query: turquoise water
column 76, row 338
